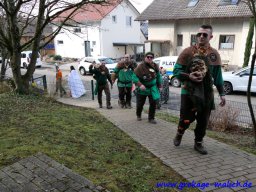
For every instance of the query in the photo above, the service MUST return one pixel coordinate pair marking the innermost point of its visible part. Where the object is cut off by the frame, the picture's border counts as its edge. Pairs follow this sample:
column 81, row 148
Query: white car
column 84, row 64
column 25, row 59
column 168, row 62
column 238, row 80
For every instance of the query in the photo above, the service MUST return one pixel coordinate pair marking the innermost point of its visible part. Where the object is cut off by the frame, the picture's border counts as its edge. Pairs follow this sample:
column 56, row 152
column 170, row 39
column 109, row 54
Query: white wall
column 163, row 31
column 118, row 32
column 105, row 33
column 228, row 26
column 73, row 43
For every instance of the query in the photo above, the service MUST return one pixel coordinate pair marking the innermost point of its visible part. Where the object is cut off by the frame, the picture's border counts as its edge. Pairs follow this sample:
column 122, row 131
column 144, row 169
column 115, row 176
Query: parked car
column 238, row 80
column 168, row 63
column 25, row 59
column 84, row 64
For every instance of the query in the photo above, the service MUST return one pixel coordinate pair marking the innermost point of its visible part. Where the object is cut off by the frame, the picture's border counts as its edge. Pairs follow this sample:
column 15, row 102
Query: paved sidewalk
column 222, row 163
column 40, row 173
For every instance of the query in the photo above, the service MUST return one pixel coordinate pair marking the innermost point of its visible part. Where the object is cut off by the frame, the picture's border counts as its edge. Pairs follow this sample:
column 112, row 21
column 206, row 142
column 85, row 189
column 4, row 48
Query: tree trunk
column 3, row 69
column 21, row 82
column 4, row 54
column 249, row 96
column 248, row 45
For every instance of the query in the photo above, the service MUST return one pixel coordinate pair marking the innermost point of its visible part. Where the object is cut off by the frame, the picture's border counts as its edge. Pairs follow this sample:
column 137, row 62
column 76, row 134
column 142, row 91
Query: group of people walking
column 198, row 68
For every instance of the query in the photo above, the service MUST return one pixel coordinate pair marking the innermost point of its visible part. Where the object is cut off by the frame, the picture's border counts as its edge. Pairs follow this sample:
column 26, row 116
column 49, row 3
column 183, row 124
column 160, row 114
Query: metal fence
column 40, row 82
column 238, row 112
column 88, row 85
column 234, row 111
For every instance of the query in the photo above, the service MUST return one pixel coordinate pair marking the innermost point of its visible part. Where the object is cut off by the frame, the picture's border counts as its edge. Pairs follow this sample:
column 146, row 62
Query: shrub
column 7, row 86
column 57, row 58
column 223, row 119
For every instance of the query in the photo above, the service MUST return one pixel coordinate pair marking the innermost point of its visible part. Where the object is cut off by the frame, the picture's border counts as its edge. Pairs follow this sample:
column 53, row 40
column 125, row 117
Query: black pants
column 125, row 95
column 140, row 103
column 107, row 92
column 188, row 114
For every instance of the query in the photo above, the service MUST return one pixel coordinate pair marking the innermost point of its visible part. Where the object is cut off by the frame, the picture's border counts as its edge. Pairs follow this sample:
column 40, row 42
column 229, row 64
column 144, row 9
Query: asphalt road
column 49, row 71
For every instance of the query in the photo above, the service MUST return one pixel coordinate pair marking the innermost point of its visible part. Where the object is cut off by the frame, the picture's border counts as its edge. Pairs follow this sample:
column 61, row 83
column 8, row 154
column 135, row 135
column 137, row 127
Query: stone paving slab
column 40, row 173
column 222, row 164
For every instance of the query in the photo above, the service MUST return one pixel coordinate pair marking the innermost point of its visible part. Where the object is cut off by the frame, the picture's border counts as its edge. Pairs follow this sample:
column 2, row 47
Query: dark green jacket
column 101, row 76
column 124, row 74
column 151, row 86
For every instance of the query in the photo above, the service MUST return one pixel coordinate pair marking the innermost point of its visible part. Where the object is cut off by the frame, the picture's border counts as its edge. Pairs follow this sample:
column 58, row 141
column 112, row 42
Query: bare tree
column 5, row 62
column 19, row 15
column 251, row 4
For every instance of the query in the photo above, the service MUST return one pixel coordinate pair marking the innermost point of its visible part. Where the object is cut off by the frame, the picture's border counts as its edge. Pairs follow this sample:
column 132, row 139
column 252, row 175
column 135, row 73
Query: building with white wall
column 108, row 30
column 173, row 25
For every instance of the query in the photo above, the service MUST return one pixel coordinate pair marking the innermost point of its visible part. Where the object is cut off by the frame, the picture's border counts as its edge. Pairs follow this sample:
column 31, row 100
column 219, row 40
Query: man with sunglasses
column 198, row 67
column 123, row 73
column 148, row 80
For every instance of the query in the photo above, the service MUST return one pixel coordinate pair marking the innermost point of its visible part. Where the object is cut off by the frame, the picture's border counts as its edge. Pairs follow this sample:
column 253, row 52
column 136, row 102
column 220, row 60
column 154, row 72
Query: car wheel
column 82, row 71
column 228, row 88
column 175, row 82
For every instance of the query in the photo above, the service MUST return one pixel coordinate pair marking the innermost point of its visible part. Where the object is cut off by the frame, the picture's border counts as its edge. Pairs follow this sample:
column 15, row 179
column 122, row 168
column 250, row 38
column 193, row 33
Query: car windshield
column 157, row 62
column 106, row 60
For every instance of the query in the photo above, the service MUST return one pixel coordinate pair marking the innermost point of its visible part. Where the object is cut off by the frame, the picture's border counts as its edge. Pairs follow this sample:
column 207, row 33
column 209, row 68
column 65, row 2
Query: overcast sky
column 141, row 4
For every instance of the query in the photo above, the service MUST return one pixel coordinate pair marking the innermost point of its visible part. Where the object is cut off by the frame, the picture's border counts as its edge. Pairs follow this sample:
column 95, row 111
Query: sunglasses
column 150, row 57
column 205, row 35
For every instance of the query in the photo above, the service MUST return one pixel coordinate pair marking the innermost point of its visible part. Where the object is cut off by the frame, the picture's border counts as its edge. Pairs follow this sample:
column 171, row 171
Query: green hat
column 150, row 53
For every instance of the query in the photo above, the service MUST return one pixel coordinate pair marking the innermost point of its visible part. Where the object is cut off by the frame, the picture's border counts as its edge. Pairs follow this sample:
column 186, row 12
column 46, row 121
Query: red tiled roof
column 90, row 12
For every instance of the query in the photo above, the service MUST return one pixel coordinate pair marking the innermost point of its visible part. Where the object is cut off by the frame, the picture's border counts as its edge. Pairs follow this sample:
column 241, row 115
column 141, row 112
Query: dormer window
column 228, row 2
column 192, row 3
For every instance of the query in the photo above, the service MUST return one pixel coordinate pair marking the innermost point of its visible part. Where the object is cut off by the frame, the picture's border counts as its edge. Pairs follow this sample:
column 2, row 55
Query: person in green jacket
column 148, row 80
column 198, row 67
column 102, row 76
column 123, row 73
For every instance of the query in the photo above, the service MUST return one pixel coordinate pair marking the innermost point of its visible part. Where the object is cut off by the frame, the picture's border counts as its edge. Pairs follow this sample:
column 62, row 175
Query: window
column 77, row 30
column 179, row 40
column 193, row 40
column 60, row 42
column 247, row 72
column 228, row 2
column 227, row 41
column 128, row 21
column 93, row 43
column 23, row 55
column 192, row 3
column 114, row 19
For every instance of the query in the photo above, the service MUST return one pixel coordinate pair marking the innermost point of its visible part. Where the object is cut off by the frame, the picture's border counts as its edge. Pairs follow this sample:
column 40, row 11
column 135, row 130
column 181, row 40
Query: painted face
column 204, row 36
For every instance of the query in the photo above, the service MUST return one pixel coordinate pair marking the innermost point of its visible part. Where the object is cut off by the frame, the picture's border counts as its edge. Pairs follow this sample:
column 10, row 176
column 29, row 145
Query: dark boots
column 109, row 104
column 200, row 148
column 177, row 139
column 128, row 105
column 122, row 104
column 152, row 121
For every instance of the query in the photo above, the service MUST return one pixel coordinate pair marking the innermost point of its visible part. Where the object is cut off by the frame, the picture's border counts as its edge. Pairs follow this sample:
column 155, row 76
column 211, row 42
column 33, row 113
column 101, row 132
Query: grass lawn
column 240, row 138
column 82, row 140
